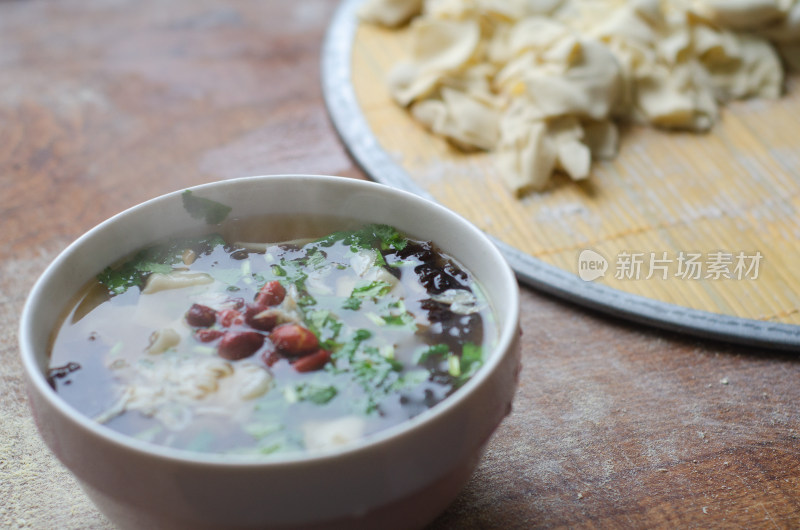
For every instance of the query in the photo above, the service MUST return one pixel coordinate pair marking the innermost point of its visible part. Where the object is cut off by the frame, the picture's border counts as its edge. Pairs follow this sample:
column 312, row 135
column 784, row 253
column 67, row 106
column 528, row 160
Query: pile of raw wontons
column 541, row 83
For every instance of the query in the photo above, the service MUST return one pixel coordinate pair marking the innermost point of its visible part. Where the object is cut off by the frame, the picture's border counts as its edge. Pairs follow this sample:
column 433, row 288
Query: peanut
column 294, row 339
column 312, row 362
column 236, row 345
column 260, row 317
column 272, row 293
column 208, row 335
column 200, row 316
column 229, row 317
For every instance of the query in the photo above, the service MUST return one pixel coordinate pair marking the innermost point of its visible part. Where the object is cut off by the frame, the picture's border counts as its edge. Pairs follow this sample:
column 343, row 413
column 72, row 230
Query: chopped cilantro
column 372, row 236
column 377, row 377
column 371, row 290
column 470, row 362
column 291, row 272
column 437, row 350
column 158, row 258
column 410, row 379
column 389, row 236
column 380, row 261
column 306, row 301
column 315, row 258
column 375, row 373
column 349, row 348
column 351, row 303
column 362, row 334
column 316, row 394
column 212, row 212
column 324, row 324
column 471, row 358
column 366, row 291
column 403, row 319
column 131, row 274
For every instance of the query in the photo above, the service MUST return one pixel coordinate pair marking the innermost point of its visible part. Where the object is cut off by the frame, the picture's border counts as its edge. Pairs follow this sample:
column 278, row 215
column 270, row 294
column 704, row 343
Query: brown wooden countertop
column 106, row 104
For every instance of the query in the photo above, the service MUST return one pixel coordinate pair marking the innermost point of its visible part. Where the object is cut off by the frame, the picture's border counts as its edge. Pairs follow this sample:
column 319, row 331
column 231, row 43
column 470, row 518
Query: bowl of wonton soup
column 218, row 416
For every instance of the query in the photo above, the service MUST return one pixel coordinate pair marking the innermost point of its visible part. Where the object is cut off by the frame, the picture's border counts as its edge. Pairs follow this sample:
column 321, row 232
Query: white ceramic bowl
column 399, row 478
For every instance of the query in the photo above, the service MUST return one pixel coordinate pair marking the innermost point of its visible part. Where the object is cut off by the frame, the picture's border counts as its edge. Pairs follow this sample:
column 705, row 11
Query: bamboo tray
column 712, row 220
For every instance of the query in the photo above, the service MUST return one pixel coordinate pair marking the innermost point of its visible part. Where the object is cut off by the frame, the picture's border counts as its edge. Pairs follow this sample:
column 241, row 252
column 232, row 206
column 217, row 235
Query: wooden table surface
column 104, row 104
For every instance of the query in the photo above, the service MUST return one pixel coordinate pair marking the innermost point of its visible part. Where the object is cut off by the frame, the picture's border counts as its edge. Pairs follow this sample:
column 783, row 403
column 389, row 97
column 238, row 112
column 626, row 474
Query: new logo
column 591, row 265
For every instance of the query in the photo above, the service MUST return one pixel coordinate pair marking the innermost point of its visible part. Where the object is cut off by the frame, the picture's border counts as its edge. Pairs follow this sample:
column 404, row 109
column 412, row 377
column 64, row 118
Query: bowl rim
column 505, row 341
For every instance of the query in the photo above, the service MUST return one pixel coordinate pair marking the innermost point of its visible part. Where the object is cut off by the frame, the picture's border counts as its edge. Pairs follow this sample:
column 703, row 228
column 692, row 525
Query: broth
column 230, row 342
